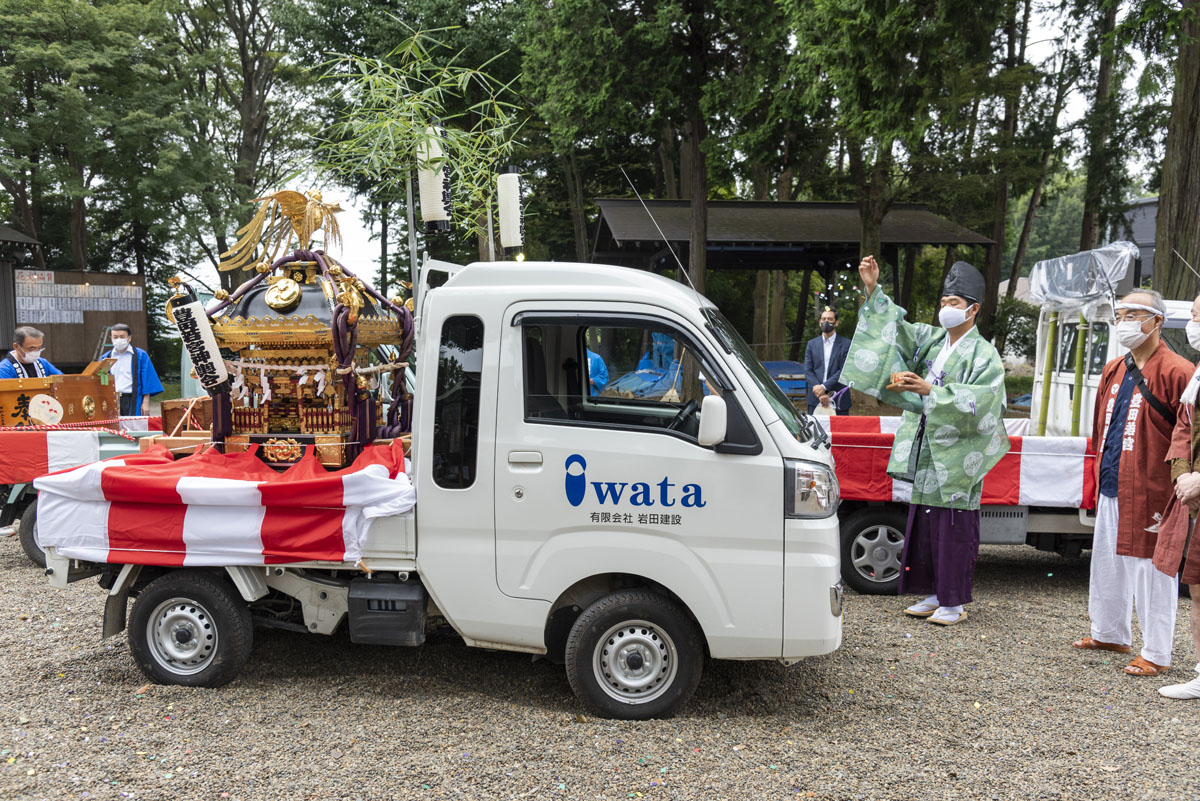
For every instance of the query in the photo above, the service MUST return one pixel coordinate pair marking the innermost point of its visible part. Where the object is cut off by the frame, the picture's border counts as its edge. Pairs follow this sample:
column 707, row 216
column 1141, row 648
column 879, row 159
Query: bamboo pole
column 1048, row 371
column 1082, row 332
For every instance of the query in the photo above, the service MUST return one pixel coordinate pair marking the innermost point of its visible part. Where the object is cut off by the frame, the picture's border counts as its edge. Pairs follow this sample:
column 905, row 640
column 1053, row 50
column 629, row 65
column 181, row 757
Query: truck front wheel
column 191, row 629
column 872, row 543
column 634, row 655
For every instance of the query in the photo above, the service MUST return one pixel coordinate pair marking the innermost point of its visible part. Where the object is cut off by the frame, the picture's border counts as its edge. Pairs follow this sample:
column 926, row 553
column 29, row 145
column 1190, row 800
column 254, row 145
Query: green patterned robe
column 964, row 430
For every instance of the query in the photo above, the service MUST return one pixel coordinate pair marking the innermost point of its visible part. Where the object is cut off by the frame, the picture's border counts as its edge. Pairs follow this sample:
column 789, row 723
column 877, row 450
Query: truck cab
column 605, row 474
column 1100, row 347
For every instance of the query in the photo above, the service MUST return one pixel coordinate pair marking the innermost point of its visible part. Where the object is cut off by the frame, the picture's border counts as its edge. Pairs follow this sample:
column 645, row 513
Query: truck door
column 598, row 471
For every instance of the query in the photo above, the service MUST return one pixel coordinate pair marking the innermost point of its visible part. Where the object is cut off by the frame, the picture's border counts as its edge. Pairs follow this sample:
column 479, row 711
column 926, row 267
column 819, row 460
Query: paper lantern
column 433, row 181
column 512, row 219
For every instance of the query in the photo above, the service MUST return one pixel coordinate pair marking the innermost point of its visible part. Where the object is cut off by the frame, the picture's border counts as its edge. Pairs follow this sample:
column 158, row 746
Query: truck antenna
column 1185, row 262
column 660, row 230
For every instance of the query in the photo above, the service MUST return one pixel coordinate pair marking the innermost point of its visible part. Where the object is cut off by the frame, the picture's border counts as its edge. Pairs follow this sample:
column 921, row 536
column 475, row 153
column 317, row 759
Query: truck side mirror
column 714, row 421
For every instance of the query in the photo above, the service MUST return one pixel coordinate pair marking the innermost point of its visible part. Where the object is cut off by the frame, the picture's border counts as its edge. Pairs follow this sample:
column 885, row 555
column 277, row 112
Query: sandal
column 1088, row 644
column 921, row 610
column 943, row 621
column 1144, row 667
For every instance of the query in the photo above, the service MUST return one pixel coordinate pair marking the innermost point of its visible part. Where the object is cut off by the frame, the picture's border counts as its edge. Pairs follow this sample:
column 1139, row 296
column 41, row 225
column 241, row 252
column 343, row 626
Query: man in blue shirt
column 25, row 359
column 135, row 376
column 597, row 373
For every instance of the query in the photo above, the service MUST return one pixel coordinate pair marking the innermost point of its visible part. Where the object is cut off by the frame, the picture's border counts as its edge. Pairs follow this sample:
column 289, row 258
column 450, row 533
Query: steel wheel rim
column 182, row 636
column 635, row 662
column 876, row 551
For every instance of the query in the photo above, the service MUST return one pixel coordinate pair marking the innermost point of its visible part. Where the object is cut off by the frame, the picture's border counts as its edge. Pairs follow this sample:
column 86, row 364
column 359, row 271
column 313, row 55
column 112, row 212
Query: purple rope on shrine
column 253, row 282
column 837, row 396
column 399, row 418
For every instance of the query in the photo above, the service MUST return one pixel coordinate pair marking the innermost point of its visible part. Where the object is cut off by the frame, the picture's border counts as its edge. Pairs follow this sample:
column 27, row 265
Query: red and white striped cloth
column 142, row 423
column 213, row 509
column 27, row 452
column 25, row 455
column 1037, row 471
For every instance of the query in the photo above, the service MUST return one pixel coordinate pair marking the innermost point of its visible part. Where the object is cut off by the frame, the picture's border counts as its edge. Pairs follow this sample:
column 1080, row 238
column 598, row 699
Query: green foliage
column 1055, row 228
column 1016, row 328
column 394, row 104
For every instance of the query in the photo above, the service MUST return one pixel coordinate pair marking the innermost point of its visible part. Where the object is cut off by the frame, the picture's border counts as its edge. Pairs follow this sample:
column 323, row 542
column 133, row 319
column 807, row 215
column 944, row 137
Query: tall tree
column 1178, row 223
column 882, row 66
column 246, row 94
column 1100, row 122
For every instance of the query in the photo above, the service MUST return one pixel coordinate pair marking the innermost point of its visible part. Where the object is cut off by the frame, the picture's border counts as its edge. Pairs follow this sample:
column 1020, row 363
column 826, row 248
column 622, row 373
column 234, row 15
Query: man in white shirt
column 823, row 361
column 135, row 376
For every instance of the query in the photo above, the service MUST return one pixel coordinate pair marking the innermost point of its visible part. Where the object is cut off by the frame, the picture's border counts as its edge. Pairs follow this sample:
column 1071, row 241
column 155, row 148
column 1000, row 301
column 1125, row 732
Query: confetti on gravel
column 1000, row 707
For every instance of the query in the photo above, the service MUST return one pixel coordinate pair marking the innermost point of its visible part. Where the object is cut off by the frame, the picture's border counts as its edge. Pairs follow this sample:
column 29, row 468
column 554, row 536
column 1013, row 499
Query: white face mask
column 120, row 345
column 31, row 356
column 951, row 316
column 1130, row 333
column 1193, row 334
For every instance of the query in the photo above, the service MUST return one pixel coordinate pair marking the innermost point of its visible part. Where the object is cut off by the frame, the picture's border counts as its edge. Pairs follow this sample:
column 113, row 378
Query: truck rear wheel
column 191, row 629
column 872, row 544
column 28, row 535
column 634, row 655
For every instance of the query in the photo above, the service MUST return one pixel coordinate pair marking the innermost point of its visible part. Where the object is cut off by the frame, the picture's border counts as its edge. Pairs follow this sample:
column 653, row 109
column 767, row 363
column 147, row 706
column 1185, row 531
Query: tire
column 191, row 629
column 634, row 655
column 872, row 543
column 28, row 535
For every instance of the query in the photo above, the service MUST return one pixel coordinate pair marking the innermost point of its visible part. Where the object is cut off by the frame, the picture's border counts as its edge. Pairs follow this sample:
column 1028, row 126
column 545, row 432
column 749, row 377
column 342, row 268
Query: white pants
column 1121, row 582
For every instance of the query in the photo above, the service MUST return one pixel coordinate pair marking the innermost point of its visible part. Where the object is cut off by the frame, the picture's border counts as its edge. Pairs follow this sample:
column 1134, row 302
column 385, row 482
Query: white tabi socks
column 923, row 608
column 1187, row 691
column 947, row 614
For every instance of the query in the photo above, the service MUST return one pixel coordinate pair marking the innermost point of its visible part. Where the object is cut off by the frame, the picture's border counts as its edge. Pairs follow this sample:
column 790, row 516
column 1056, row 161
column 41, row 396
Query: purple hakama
column 940, row 549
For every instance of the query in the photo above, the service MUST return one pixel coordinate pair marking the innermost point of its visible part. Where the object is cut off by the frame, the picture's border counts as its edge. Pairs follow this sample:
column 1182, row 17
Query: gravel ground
column 999, row 707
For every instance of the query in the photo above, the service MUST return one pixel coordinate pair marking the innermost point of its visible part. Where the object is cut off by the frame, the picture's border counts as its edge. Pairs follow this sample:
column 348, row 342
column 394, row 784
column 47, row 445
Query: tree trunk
column 762, row 293
column 1035, row 196
column 801, row 317
column 873, row 196
column 760, row 181
column 685, row 163
column 776, row 336
column 666, row 160
column 78, row 224
column 140, row 234
column 578, row 204
column 910, row 270
column 698, row 238
column 1099, row 125
column 383, row 247
column 1178, row 225
column 947, row 263
column 991, row 270
column 23, row 211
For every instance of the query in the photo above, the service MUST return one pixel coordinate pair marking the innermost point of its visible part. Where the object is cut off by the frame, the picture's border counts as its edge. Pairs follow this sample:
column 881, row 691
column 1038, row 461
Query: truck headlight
column 810, row 489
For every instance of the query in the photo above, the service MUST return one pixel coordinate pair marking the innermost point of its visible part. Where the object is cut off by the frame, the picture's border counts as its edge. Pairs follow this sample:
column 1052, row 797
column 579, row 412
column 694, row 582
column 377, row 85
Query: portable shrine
column 305, row 345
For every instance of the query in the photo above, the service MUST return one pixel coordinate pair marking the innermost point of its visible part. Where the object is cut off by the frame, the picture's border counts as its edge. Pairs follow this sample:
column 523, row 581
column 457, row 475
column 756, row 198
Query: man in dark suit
column 823, row 361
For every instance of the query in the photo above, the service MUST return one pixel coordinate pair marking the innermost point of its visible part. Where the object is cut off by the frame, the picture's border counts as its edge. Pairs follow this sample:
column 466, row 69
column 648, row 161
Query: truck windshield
column 734, row 342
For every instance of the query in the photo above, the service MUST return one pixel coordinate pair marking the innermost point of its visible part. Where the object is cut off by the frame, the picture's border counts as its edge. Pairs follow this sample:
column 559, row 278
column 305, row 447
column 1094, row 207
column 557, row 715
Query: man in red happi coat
column 1136, row 409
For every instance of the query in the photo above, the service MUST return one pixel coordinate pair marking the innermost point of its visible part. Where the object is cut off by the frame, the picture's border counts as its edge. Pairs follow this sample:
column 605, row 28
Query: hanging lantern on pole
column 512, row 218
column 433, row 181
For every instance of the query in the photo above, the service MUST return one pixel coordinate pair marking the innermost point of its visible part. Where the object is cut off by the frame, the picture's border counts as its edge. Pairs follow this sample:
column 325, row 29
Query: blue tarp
column 790, row 386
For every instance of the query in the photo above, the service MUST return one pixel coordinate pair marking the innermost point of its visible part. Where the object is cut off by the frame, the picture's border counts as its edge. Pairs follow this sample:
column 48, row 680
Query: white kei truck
column 625, row 534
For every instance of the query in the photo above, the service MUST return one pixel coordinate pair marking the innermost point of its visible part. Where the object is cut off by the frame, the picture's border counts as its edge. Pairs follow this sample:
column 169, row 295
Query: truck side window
column 456, row 412
column 624, row 375
column 1096, row 348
